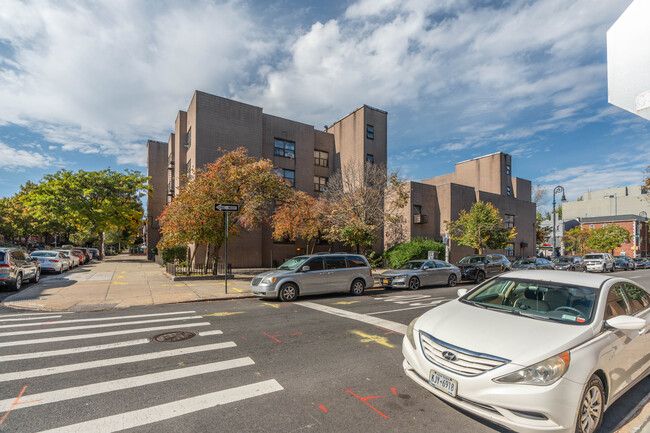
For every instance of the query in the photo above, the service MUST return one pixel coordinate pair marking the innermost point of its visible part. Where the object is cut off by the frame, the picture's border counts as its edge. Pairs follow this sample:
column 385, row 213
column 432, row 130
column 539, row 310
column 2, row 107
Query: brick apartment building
column 635, row 224
column 306, row 157
column 489, row 179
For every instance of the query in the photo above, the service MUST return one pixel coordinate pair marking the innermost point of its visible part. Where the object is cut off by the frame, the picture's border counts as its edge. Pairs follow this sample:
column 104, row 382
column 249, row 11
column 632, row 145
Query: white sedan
column 51, row 261
column 534, row 350
column 74, row 259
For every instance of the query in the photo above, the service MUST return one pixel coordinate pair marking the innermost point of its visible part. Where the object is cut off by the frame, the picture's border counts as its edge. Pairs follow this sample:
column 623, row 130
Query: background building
column 626, row 200
column 306, row 157
column 636, row 225
column 489, row 179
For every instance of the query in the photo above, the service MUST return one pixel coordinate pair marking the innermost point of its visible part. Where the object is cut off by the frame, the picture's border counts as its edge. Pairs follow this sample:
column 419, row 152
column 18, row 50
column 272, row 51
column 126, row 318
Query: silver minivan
column 314, row 274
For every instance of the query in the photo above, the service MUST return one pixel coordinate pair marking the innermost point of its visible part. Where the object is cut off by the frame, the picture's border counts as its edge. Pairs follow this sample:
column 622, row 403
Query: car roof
column 574, row 278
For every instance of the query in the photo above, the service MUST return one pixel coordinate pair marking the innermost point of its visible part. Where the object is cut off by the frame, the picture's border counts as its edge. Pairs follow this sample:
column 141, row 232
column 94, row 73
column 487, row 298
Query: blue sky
column 83, row 85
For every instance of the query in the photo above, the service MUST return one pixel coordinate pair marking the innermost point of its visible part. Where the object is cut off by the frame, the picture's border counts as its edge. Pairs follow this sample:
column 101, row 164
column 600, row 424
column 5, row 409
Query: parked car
column 641, row 263
column 478, row 268
column 601, row 262
column 16, row 267
column 570, row 263
column 553, row 349
column 625, row 263
column 86, row 252
column 51, row 261
column 82, row 257
column 74, row 259
column 417, row 273
column 531, row 263
column 314, row 274
column 95, row 253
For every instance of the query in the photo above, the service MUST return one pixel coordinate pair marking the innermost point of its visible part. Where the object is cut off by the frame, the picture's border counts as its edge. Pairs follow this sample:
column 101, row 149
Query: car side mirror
column 626, row 322
column 305, row 268
column 461, row 292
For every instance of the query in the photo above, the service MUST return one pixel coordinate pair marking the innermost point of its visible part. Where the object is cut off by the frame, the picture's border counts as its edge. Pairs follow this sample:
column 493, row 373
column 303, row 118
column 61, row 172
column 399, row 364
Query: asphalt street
column 325, row 363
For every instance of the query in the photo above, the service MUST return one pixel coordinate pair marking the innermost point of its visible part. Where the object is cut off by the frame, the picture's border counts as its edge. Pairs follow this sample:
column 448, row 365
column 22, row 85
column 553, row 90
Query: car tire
column 37, row 276
column 61, row 269
column 414, row 283
column 592, row 404
column 613, row 269
column 357, row 288
column 572, row 269
column 452, row 281
column 19, row 282
column 288, row 292
column 480, row 277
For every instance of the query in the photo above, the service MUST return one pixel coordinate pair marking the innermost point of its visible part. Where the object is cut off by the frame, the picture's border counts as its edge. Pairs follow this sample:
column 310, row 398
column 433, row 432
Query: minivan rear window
column 356, row 262
column 2, row 256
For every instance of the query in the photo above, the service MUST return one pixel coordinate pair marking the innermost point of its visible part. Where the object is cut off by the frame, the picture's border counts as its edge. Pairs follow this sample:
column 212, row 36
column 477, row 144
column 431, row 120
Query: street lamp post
column 558, row 189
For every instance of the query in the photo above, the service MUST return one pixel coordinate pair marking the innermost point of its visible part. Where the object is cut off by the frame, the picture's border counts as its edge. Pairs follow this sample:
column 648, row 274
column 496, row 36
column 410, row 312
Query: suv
column 16, row 267
column 314, row 274
column 602, row 262
column 477, row 268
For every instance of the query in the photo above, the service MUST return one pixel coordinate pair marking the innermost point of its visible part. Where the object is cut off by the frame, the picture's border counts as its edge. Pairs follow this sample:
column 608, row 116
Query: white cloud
column 18, row 160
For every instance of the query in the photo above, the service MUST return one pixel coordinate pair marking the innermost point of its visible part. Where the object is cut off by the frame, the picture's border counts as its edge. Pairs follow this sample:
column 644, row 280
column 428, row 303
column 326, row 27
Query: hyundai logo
column 449, row 356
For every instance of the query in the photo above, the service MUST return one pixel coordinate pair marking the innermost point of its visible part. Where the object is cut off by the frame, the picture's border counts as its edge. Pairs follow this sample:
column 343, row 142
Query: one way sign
column 223, row 207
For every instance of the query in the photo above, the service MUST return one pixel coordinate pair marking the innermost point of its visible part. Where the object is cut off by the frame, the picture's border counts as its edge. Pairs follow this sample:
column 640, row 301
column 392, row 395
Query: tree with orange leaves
column 235, row 177
column 301, row 216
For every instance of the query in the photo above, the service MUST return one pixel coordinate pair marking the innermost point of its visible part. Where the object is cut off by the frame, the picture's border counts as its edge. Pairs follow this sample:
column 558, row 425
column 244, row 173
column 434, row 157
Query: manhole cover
column 171, row 337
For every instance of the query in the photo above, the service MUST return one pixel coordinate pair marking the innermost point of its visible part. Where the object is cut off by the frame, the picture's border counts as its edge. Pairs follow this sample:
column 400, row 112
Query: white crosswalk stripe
column 145, row 359
column 23, row 319
column 20, row 315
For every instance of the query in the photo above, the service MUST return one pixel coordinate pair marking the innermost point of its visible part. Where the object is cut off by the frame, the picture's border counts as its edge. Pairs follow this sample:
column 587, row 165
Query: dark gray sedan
column 531, row 263
column 417, row 273
column 570, row 263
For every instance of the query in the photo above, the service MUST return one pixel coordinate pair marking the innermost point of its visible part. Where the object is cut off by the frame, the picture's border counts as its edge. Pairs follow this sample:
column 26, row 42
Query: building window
column 510, row 221
column 188, row 139
column 508, row 191
column 370, row 158
column 370, row 132
column 288, row 175
column 591, row 226
column 319, row 183
column 321, row 158
column 510, row 250
column 508, row 170
column 188, row 168
column 417, row 209
column 284, row 148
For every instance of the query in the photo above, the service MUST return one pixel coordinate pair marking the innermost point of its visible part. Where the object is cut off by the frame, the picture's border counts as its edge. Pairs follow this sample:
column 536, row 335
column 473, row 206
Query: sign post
column 226, row 209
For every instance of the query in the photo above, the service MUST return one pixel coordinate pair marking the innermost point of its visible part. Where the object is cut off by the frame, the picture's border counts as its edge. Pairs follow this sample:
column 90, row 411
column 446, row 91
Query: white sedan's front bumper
column 519, row 407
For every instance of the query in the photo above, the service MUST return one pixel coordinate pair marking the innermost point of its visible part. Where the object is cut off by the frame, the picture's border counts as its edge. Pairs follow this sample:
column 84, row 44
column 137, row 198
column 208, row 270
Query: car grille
column 389, row 280
column 256, row 281
column 466, row 362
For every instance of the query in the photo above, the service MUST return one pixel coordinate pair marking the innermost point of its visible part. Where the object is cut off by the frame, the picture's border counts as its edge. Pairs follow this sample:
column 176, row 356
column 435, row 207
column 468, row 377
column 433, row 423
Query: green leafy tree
column 92, row 200
column 480, row 228
column 542, row 233
column 235, row 177
column 576, row 240
column 418, row 248
column 608, row 238
column 17, row 220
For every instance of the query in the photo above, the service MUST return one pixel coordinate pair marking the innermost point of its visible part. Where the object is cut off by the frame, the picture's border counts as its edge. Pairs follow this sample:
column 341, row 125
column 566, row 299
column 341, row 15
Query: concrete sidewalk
column 119, row 282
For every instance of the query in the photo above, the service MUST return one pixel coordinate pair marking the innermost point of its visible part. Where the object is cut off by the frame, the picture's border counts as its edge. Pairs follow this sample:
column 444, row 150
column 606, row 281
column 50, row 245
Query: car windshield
column 471, row 259
column 593, row 256
column 412, row 265
column 293, row 263
column 44, row 254
column 562, row 260
column 565, row 303
column 525, row 262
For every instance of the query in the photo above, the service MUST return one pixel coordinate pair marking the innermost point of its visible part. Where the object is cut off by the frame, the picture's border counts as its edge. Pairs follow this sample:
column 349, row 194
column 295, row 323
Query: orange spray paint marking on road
column 394, row 391
column 364, row 400
column 323, row 408
column 16, row 403
column 272, row 336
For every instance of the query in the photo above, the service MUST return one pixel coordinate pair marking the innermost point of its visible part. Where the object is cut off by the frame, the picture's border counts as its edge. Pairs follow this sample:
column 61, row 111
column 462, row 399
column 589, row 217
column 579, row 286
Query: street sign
column 223, row 207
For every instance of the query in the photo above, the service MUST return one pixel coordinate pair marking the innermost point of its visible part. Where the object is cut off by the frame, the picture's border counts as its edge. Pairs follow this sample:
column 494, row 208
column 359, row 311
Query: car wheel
column 61, row 269
column 357, row 288
column 19, row 281
column 572, row 269
column 480, row 276
column 37, row 276
column 288, row 292
column 590, row 412
column 613, row 269
column 451, row 282
column 414, row 283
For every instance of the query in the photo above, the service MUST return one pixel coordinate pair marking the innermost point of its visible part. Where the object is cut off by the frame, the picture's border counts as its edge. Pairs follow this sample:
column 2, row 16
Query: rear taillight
column 4, row 266
column 54, row 261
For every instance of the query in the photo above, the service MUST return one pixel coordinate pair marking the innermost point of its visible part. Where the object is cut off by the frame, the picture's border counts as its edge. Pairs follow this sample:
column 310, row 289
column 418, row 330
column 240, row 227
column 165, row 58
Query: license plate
column 385, row 281
column 443, row 383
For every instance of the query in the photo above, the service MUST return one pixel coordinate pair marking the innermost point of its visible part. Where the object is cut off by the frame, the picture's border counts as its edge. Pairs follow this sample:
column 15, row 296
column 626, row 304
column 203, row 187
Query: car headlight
column 545, row 372
column 399, row 278
column 409, row 332
column 268, row 280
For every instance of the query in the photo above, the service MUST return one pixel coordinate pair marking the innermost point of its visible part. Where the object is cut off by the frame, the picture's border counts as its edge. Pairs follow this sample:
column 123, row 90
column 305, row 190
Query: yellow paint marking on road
column 271, row 305
column 223, row 314
column 120, row 276
column 345, row 303
column 119, row 282
column 237, row 290
column 367, row 338
column 122, row 272
column 174, row 285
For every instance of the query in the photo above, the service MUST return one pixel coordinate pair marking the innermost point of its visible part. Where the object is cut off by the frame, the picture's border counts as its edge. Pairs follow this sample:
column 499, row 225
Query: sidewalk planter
column 198, row 272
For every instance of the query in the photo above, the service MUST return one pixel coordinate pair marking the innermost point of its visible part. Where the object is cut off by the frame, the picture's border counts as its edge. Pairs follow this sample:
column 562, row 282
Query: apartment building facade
column 637, row 226
column 625, row 200
column 304, row 156
column 436, row 200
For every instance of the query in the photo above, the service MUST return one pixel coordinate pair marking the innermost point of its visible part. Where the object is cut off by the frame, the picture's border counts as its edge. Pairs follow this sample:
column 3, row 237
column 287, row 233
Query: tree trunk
column 215, row 258
column 102, row 238
column 206, row 260
column 191, row 262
